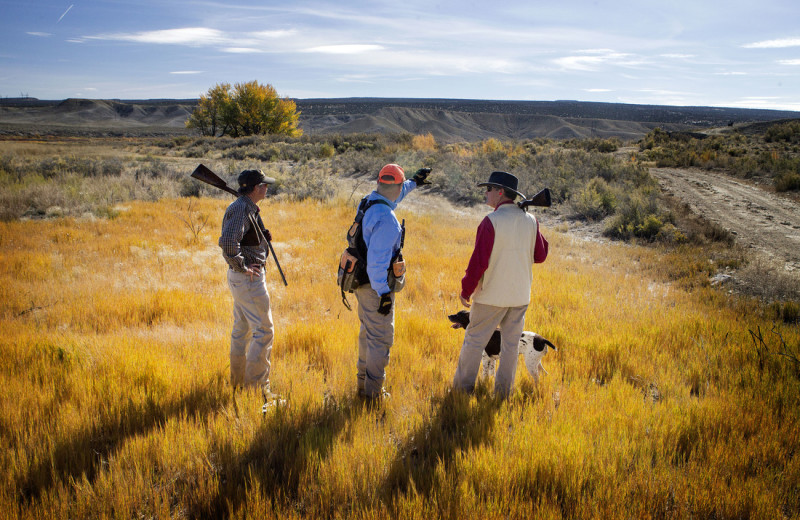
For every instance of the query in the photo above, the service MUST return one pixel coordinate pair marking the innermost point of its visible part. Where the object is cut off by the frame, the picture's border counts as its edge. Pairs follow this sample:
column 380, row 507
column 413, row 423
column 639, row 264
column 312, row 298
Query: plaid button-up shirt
column 236, row 222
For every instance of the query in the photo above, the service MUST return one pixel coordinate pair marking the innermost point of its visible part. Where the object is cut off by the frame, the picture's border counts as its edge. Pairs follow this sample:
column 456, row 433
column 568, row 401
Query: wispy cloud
column 65, row 13
column 187, row 72
column 185, row 36
column 597, row 90
column 345, row 49
column 40, row 34
column 241, row 50
column 774, row 44
column 789, row 62
column 239, row 43
column 283, row 33
column 768, row 102
column 593, row 59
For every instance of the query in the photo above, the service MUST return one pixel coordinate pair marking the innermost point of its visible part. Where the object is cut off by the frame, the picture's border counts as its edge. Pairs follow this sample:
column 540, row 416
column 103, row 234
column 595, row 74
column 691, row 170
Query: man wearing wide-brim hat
column 244, row 247
column 497, row 283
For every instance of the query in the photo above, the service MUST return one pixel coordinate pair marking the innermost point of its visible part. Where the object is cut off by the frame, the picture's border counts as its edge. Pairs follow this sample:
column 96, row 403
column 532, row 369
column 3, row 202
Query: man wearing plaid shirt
column 244, row 247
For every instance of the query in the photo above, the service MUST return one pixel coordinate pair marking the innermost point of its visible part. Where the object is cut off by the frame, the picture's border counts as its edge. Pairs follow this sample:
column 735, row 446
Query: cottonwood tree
column 246, row 109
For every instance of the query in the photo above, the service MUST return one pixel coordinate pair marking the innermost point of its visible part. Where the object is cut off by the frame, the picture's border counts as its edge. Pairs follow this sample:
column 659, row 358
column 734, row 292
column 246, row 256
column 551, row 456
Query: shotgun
column 541, row 199
column 203, row 174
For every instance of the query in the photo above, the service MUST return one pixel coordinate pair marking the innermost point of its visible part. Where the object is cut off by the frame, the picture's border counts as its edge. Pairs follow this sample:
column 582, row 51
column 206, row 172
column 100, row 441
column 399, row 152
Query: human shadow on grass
column 456, row 424
column 278, row 456
column 87, row 451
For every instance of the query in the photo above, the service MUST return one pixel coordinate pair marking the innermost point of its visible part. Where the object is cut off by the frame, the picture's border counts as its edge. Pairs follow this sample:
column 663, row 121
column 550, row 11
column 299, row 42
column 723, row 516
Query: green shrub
column 595, row 201
column 787, row 182
column 791, row 312
column 327, row 150
column 638, row 217
column 789, row 132
column 307, row 182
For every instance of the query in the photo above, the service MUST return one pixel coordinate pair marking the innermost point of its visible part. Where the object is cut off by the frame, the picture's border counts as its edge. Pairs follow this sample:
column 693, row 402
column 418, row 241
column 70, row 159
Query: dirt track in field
column 761, row 220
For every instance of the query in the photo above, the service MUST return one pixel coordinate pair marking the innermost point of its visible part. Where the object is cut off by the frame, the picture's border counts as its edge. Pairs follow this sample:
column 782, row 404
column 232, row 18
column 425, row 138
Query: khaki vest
column 507, row 281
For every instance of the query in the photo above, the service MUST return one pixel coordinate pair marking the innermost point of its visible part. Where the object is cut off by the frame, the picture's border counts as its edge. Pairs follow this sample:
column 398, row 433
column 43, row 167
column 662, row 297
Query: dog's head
column 535, row 341
column 460, row 319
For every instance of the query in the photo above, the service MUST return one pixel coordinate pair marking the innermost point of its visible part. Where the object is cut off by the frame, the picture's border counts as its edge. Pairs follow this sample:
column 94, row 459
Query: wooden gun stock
column 202, row 173
column 541, row 199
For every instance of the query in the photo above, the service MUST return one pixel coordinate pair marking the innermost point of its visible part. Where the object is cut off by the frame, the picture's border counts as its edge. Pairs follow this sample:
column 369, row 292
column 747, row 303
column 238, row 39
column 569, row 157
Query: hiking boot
column 373, row 399
column 271, row 399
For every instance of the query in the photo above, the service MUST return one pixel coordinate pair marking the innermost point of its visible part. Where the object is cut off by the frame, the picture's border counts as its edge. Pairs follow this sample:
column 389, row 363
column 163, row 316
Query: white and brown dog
column 532, row 346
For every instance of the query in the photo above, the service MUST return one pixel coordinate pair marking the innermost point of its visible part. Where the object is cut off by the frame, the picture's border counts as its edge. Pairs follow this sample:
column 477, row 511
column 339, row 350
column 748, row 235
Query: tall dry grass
column 114, row 340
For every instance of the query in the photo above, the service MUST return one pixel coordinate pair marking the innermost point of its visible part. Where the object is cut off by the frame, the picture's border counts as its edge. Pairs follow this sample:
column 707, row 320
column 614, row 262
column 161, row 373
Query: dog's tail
column 539, row 343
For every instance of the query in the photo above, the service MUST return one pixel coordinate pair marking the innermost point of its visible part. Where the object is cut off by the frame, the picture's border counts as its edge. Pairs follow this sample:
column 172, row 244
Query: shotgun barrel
column 204, row 174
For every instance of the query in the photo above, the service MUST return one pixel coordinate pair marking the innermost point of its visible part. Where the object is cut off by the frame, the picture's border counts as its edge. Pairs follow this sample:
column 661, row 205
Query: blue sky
column 673, row 52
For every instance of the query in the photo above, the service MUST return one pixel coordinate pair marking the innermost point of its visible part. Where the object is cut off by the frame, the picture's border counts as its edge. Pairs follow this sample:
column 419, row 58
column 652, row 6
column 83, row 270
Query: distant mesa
column 448, row 120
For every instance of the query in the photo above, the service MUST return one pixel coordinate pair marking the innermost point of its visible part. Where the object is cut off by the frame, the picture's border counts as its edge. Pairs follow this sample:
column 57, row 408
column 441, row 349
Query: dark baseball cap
column 249, row 178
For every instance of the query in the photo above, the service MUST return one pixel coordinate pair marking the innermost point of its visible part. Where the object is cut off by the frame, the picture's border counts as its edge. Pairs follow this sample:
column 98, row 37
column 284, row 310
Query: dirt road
column 764, row 221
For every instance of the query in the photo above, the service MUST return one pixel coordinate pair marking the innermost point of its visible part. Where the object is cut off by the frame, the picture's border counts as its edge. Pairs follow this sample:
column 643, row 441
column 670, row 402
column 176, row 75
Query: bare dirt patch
column 765, row 223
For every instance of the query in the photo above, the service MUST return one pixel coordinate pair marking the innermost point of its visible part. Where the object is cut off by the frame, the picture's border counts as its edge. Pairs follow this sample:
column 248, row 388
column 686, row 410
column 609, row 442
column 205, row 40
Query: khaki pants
column 375, row 338
column 483, row 321
column 252, row 319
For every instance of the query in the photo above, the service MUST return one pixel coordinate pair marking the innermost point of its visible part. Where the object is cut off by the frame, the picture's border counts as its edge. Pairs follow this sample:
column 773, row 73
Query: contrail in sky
column 65, row 12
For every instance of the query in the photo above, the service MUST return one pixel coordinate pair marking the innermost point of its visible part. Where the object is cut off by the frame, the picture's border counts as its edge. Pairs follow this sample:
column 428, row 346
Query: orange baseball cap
column 391, row 174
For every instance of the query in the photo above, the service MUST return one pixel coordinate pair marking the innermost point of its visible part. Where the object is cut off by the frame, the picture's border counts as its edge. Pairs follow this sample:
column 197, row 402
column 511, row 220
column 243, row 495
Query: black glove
column 267, row 235
column 386, row 304
column 421, row 175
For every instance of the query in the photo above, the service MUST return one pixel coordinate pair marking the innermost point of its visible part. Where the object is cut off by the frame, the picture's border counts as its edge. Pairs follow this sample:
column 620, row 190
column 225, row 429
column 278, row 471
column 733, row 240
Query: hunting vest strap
column 254, row 236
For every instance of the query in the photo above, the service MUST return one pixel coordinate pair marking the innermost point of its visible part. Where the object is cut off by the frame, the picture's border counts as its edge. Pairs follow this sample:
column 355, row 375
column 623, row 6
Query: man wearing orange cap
column 382, row 235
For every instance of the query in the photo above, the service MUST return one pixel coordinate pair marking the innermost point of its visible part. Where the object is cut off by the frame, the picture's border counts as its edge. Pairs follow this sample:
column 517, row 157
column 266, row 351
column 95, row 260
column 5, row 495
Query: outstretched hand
column 421, row 176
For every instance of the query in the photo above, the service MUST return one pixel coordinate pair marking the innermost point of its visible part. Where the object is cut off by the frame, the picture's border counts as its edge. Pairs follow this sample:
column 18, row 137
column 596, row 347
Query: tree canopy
column 246, row 109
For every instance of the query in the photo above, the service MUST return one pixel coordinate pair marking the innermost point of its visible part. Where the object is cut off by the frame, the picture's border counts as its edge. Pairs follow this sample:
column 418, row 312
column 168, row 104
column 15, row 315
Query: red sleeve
column 479, row 262
column 541, row 248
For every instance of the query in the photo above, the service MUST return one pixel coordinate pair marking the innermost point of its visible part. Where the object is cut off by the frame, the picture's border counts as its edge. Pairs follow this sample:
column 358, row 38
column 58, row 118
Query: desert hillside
column 447, row 120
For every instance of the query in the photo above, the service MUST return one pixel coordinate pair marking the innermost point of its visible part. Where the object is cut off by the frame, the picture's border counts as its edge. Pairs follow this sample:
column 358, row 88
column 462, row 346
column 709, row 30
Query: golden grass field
column 114, row 337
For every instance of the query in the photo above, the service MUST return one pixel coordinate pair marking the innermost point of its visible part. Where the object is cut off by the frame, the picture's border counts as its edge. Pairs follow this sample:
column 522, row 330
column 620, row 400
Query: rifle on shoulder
column 204, row 174
column 541, row 199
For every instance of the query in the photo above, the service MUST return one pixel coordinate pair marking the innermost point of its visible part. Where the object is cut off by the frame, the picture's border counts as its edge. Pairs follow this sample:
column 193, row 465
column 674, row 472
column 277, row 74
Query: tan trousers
column 252, row 320
column 483, row 321
column 374, row 341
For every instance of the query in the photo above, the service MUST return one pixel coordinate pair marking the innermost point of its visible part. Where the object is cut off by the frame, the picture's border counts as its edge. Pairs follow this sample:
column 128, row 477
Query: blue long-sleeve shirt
column 382, row 236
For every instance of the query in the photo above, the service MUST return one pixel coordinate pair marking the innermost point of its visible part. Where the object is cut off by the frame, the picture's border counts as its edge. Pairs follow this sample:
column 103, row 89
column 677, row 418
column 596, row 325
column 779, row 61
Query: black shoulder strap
column 366, row 204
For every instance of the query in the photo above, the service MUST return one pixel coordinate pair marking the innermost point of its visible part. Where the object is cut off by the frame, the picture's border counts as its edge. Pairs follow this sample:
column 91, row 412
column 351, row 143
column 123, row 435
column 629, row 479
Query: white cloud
column 185, row 36
column 592, row 59
column 241, row 50
column 789, row 62
column 678, row 56
column 356, row 78
column 731, row 73
column 768, row 102
column 774, row 44
column 187, row 72
column 344, row 49
column 41, row 34
column 274, row 34
column 597, row 90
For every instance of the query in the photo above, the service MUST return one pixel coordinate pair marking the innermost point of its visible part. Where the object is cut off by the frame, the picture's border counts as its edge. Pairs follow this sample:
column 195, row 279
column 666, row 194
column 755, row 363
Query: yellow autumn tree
column 246, row 109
